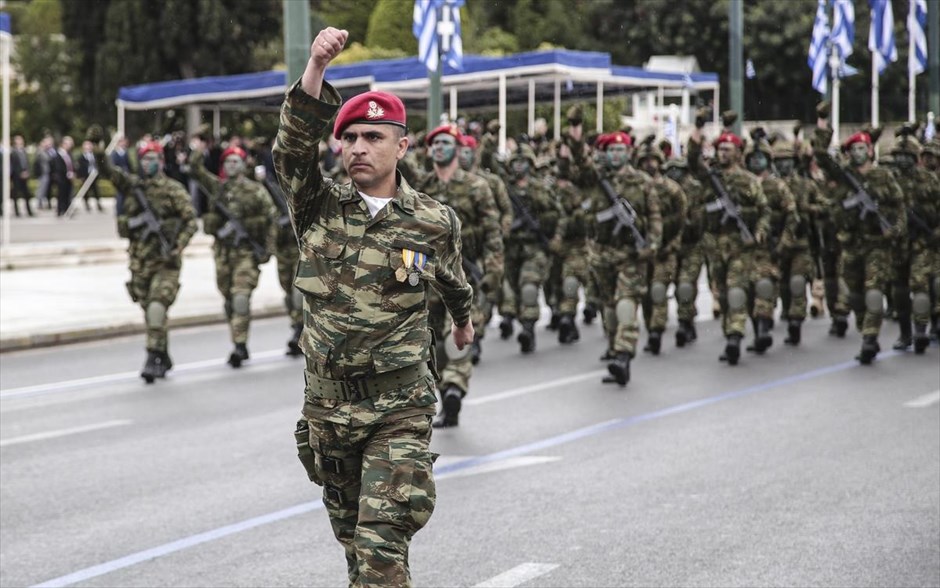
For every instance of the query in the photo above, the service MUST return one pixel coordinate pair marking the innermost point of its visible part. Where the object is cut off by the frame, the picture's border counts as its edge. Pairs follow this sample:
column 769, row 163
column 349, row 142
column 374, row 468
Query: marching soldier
column 691, row 255
column 626, row 227
column 869, row 209
column 158, row 220
column 241, row 217
column 482, row 248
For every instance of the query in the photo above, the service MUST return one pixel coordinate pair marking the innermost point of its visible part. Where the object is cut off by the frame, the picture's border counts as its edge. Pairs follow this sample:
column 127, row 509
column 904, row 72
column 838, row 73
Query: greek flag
column 749, row 71
column 5, row 23
column 817, row 48
column 881, row 34
column 843, row 27
column 436, row 25
column 916, row 27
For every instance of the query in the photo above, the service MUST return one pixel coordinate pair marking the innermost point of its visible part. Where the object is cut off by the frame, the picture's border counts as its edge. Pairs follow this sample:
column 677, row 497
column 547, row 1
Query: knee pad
column 296, row 299
column 570, row 287
column 626, row 312
column 241, row 304
column 737, row 299
column 228, row 308
column 155, row 315
column 798, row 285
column 685, row 292
column 658, row 292
column 530, row 294
column 609, row 316
column 764, row 289
column 874, row 301
column 921, row 303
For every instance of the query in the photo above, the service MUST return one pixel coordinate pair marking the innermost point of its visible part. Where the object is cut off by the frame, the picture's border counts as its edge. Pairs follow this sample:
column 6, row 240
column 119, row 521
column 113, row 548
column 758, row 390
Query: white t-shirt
column 374, row 203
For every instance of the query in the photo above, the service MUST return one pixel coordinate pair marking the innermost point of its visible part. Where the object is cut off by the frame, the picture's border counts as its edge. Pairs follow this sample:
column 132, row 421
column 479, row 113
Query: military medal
column 415, row 260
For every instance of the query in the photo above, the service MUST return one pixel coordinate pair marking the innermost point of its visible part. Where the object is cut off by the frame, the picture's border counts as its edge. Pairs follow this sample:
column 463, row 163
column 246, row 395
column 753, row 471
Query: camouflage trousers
column 925, row 279
column 575, row 266
column 552, row 287
column 287, row 259
column 526, row 269
column 794, row 263
column 621, row 282
column 154, row 282
column 731, row 269
column 661, row 273
column 383, row 493
column 764, row 284
column 864, row 270
column 690, row 261
column 236, row 277
column 456, row 371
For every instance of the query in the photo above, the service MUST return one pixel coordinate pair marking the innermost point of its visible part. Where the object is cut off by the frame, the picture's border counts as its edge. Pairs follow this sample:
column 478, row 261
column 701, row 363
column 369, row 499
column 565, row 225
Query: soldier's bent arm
column 296, row 151
column 492, row 232
column 187, row 215
column 123, row 181
column 449, row 279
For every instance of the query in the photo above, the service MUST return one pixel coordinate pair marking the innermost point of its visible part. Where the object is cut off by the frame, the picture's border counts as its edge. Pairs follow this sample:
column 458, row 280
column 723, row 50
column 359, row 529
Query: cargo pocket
column 320, row 264
column 411, row 484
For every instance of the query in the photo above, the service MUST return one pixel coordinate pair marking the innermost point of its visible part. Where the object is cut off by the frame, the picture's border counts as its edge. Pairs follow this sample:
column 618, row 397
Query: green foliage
column 390, row 26
column 358, row 52
column 351, row 15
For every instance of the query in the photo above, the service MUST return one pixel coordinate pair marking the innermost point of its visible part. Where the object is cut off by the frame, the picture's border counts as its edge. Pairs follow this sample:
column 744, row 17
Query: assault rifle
column 283, row 219
column 621, row 210
column 729, row 209
column 916, row 225
column 472, row 270
column 862, row 200
column 522, row 218
column 149, row 223
column 235, row 229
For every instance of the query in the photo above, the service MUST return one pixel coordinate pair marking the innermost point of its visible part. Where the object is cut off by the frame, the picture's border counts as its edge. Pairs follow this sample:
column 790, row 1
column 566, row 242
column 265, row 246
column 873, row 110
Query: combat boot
column 619, row 369
column 921, row 339
column 526, row 338
column 794, row 333
column 239, row 354
column 870, row 349
column 505, row 327
column 451, row 400
column 654, row 343
column 839, row 326
column 732, row 350
column 608, row 355
column 160, row 365
column 682, row 333
column 904, row 339
column 293, row 344
column 476, row 350
column 567, row 330
column 150, row 370
column 589, row 313
column 554, row 322
column 763, row 340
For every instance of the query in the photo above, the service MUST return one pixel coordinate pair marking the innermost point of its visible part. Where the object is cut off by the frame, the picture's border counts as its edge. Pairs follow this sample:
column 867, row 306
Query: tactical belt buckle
column 330, row 464
column 356, row 389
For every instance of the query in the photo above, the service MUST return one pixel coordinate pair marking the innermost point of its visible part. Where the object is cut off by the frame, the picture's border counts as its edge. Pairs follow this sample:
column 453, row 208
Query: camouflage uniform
column 572, row 245
column 619, row 265
column 691, row 255
column 369, row 394
column 287, row 255
column 916, row 260
column 526, row 258
column 866, row 250
column 155, row 279
column 482, row 245
column 236, row 267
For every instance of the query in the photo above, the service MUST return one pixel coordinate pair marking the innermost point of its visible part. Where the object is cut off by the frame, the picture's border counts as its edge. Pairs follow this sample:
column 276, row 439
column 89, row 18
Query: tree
column 343, row 14
column 390, row 26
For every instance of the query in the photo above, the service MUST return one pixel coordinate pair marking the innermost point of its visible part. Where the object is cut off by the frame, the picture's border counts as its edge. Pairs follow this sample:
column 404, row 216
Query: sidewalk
column 69, row 286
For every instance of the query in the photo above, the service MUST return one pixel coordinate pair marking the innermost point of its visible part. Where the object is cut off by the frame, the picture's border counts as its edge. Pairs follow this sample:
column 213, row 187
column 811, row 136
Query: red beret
column 600, row 142
column 370, row 108
column 617, row 138
column 149, row 146
column 234, row 151
column 729, row 138
column 468, row 141
column 859, row 137
column 451, row 130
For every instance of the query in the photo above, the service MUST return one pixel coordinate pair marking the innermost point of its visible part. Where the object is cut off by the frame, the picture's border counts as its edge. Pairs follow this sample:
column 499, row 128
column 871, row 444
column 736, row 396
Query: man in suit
column 120, row 160
column 19, row 174
column 86, row 165
column 62, row 171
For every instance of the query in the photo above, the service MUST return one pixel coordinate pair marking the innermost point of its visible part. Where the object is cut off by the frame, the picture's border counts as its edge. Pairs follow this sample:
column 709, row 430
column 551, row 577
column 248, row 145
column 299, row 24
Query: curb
column 22, row 342
column 69, row 254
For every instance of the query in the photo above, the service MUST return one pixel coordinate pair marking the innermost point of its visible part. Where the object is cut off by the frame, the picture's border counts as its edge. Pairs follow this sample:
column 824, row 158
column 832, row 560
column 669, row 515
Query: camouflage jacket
column 635, row 187
column 470, row 197
column 364, row 314
column 576, row 205
column 813, row 209
column 536, row 197
column 921, row 190
column 247, row 201
column 746, row 192
column 881, row 186
column 285, row 240
column 501, row 196
column 695, row 218
column 674, row 209
column 785, row 222
column 169, row 202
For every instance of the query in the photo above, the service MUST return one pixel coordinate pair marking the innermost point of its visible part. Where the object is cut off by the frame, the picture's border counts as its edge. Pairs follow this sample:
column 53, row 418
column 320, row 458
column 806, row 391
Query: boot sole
column 621, row 376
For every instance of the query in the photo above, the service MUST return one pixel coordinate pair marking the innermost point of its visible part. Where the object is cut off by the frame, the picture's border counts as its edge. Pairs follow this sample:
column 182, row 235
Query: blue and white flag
column 916, row 27
column 843, row 27
column 881, row 34
column 749, row 71
column 436, row 25
column 817, row 48
column 5, row 24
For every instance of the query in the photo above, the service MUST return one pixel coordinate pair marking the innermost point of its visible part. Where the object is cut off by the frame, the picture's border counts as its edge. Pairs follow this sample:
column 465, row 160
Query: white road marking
column 486, row 467
column 63, row 432
column 924, row 401
column 518, row 575
column 475, row 400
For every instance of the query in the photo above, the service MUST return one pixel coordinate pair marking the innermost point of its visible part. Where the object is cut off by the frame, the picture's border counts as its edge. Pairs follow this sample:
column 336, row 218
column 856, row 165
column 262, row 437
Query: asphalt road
column 799, row 468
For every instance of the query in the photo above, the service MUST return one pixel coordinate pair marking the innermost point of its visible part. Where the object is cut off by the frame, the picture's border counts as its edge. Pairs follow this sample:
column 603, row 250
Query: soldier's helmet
column 648, row 149
column 759, row 143
column 676, row 162
column 575, row 115
column 932, row 147
column 906, row 144
column 523, row 151
column 783, row 149
column 887, row 160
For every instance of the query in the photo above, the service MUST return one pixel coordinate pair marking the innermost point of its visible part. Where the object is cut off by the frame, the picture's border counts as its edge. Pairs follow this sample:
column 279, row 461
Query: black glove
column 823, row 109
column 95, row 134
column 728, row 118
column 700, row 116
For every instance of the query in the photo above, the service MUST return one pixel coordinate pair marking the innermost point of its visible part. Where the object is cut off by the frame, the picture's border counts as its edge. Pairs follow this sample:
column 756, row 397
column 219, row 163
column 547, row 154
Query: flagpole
column 911, row 78
column 836, row 83
column 6, row 40
column 875, row 56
